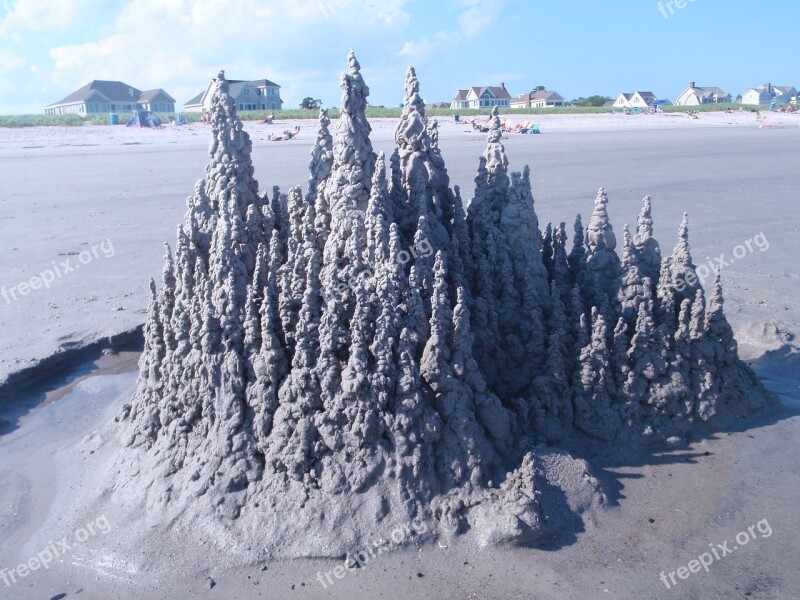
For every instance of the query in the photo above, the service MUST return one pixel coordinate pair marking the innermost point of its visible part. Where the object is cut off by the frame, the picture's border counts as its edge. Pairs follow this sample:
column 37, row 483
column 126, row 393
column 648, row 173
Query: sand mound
column 321, row 368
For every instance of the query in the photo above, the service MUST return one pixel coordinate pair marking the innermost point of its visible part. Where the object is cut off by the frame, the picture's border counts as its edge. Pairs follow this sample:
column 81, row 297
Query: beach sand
column 66, row 189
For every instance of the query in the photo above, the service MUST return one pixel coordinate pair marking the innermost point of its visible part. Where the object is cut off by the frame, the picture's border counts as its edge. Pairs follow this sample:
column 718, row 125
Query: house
column 259, row 94
column 481, row 97
column 112, row 96
column 695, row 96
column 635, row 100
column 538, row 99
column 767, row 94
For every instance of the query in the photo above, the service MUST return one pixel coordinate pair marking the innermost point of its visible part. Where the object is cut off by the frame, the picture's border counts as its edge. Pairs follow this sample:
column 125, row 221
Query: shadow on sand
column 610, row 462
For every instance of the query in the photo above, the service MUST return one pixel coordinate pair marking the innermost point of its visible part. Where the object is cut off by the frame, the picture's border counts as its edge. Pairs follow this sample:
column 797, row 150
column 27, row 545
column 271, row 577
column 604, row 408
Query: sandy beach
column 79, row 187
column 87, row 210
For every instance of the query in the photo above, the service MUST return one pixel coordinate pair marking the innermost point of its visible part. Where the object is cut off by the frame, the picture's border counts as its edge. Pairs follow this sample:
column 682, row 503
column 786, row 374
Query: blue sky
column 578, row 48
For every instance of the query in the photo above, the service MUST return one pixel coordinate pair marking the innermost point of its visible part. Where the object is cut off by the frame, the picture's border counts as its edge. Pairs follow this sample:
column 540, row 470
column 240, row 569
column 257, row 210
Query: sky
column 48, row 49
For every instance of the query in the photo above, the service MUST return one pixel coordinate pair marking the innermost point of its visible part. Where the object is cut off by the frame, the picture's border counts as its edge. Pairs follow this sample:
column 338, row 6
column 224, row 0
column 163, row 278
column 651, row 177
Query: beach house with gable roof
column 635, row 100
column 100, row 96
column 767, row 93
column 695, row 96
column 258, row 94
column 538, row 99
column 481, row 97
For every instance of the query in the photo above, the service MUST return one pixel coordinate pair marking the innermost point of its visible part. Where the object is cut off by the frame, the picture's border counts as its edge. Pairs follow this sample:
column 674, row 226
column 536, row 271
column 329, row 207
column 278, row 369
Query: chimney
column 691, row 85
column 503, row 84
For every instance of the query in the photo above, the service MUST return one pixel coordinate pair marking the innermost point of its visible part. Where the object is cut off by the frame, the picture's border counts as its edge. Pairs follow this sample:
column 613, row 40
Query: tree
column 310, row 103
column 590, row 101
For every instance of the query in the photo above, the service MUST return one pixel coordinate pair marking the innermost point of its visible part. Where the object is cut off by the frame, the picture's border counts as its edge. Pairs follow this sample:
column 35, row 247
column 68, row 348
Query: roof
column 263, row 83
column 781, row 89
column 115, row 91
column 150, row 94
column 196, row 100
column 497, row 92
column 544, row 95
column 709, row 91
column 629, row 95
column 235, row 87
column 112, row 91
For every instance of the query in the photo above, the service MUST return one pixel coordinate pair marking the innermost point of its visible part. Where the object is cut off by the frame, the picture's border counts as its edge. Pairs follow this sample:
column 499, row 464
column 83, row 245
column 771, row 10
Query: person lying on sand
column 479, row 127
column 268, row 119
column 287, row 135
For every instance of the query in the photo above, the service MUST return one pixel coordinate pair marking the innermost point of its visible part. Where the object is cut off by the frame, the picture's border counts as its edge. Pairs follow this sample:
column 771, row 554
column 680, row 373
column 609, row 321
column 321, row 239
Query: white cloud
column 9, row 63
column 41, row 15
column 429, row 47
column 480, row 15
column 179, row 45
column 476, row 18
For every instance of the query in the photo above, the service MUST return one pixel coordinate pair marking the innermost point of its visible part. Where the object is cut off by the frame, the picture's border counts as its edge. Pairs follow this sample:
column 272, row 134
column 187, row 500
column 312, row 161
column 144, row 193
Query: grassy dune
column 374, row 112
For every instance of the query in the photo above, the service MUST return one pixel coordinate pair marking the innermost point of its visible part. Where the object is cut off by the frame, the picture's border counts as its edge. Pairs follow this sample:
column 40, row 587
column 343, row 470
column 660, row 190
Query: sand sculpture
column 321, row 367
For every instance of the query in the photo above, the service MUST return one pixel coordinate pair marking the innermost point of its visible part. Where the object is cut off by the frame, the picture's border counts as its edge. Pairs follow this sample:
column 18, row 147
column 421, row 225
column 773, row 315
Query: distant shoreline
column 372, row 112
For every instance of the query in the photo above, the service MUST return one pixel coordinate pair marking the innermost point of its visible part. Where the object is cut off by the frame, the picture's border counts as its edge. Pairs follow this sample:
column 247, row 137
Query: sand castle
column 321, row 367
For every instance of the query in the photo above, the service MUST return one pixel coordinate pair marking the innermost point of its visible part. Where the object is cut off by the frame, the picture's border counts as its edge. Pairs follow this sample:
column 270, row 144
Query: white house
column 695, row 96
column 540, row 99
column 111, row 96
column 481, row 97
column 259, row 94
column 635, row 100
column 767, row 94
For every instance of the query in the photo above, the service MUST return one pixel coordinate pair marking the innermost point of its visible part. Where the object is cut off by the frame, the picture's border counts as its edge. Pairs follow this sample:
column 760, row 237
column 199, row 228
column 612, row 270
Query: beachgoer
column 287, row 135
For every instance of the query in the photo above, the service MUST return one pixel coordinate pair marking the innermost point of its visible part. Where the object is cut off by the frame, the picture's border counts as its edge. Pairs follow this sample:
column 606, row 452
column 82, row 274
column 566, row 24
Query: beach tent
column 143, row 118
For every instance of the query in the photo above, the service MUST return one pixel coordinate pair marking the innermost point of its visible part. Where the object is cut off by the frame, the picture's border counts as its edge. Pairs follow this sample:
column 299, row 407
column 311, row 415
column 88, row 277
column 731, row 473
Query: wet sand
column 65, row 190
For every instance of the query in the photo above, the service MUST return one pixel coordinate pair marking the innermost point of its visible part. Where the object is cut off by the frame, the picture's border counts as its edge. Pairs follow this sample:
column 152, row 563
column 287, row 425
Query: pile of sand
column 323, row 367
